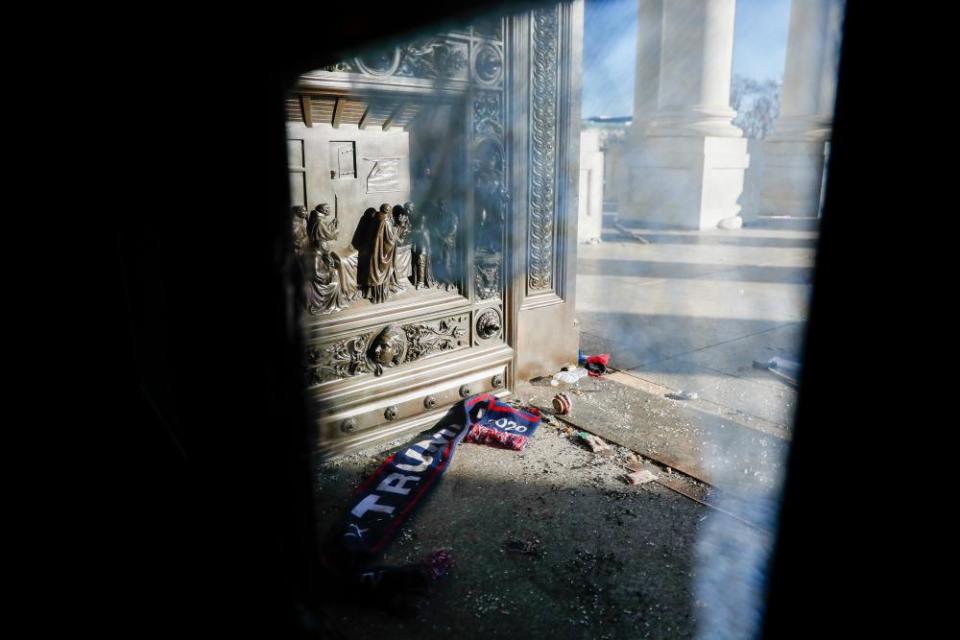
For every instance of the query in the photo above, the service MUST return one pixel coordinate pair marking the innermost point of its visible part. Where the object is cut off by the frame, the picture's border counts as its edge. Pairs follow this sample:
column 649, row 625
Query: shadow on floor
column 612, row 561
column 636, row 339
column 660, row 237
column 695, row 271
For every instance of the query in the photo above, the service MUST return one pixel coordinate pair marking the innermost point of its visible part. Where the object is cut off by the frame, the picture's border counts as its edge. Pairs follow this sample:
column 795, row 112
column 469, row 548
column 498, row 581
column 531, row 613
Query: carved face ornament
column 388, row 349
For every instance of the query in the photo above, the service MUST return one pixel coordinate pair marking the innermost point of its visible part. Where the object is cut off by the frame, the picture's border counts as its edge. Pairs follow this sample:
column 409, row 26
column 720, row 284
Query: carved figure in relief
column 422, row 256
column 392, row 248
column 331, row 278
column 322, row 227
column 299, row 230
column 402, row 261
column 301, row 249
column 323, row 279
column 388, row 349
column 448, row 225
column 380, row 273
column 487, row 278
column 493, row 200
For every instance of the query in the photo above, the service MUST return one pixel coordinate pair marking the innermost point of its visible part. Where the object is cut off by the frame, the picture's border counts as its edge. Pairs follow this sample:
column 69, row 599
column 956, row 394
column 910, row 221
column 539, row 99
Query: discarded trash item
column 383, row 501
column 641, row 477
column 683, row 395
column 781, row 364
column 731, row 223
column 485, row 434
column 561, row 404
column 633, row 235
column 784, row 364
column 437, row 564
column 596, row 444
column 524, row 547
column 788, row 370
column 509, row 429
column 569, row 377
column 634, row 465
column 596, row 365
column 386, row 498
column 788, row 379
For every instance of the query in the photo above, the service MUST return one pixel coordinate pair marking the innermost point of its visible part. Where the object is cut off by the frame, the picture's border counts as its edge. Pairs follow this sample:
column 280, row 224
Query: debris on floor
column 561, row 404
column 571, row 376
column 630, row 233
column 437, row 564
column 683, row 395
column 633, row 462
column 523, row 547
column 596, row 444
column 385, row 499
column 596, row 365
column 562, row 541
column 731, row 224
column 641, row 477
column 787, row 370
column 509, row 518
column 542, row 381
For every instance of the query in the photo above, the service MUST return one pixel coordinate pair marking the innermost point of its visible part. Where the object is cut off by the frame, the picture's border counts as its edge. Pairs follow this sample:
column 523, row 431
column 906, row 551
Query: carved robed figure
column 300, row 243
column 331, row 278
column 392, row 247
column 403, row 257
column 324, row 281
column 492, row 200
column 380, row 273
column 422, row 266
column 449, row 224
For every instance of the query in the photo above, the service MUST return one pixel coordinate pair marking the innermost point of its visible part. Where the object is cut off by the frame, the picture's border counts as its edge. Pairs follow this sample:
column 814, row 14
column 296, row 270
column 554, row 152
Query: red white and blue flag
column 385, row 500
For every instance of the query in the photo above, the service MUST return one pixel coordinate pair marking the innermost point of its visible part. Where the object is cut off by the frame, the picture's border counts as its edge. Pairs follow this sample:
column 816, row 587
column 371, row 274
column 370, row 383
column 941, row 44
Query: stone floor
column 692, row 310
column 607, row 559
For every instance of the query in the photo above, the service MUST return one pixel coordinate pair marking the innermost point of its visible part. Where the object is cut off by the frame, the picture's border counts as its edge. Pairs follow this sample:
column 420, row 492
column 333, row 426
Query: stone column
column 686, row 164
column 649, row 23
column 794, row 151
column 646, row 85
column 695, row 67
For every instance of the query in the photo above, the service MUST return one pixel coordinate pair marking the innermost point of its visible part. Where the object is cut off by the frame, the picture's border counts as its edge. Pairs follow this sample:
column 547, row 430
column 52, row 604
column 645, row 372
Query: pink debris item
column 437, row 564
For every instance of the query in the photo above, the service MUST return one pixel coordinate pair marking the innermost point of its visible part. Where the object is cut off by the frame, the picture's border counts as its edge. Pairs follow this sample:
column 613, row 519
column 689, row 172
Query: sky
column 610, row 40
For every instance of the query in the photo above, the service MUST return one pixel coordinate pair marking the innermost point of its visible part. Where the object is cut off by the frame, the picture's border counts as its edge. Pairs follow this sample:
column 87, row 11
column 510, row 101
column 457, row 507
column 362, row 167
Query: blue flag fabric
column 385, row 500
